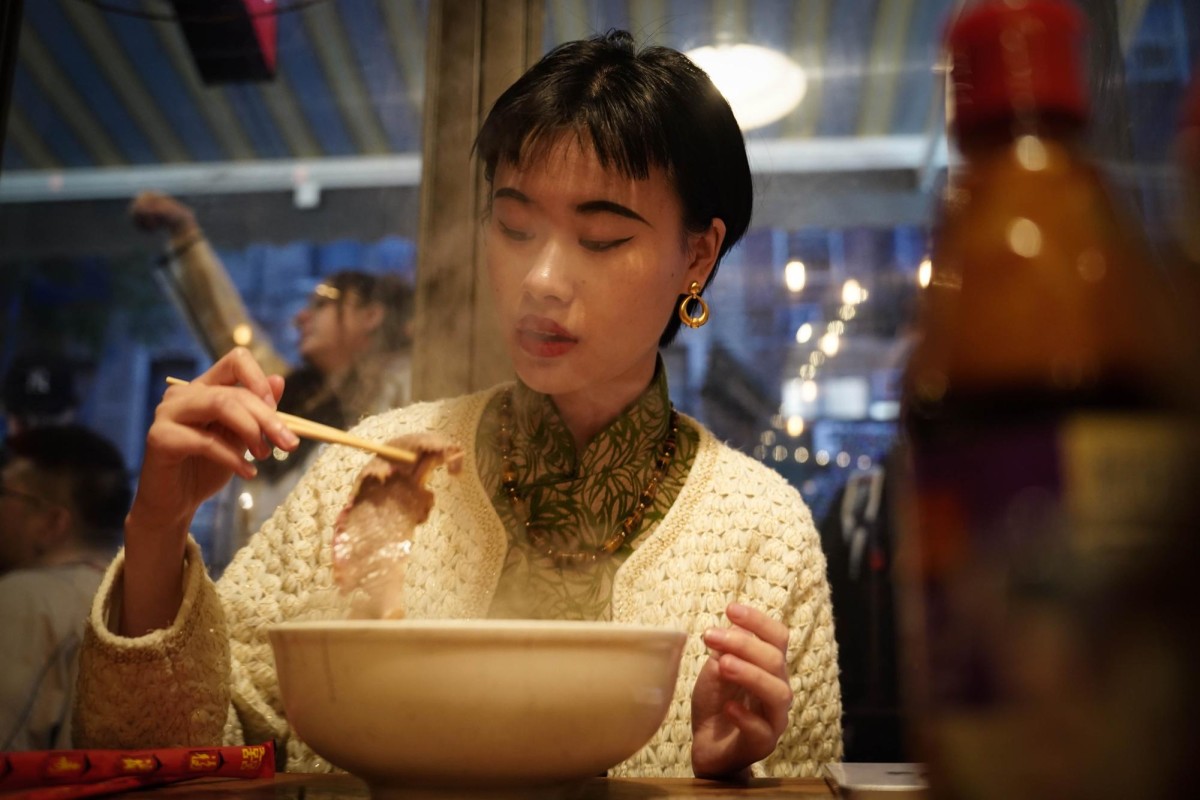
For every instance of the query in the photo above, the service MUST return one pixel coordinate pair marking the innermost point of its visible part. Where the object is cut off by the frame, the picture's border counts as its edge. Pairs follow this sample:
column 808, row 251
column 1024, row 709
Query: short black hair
column 638, row 109
column 93, row 468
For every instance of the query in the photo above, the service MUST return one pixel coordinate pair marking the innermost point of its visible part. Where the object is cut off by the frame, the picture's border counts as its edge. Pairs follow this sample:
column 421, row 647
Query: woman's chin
column 546, row 378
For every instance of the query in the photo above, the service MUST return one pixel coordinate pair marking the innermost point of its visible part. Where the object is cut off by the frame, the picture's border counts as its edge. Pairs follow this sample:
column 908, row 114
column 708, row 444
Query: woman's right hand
column 195, row 444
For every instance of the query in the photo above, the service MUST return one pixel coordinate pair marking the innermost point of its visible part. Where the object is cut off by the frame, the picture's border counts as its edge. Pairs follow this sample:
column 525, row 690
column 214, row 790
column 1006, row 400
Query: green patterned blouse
column 579, row 498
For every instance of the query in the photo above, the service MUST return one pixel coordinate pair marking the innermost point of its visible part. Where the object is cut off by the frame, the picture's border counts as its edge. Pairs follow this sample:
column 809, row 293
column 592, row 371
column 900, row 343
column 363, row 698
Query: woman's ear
column 703, row 249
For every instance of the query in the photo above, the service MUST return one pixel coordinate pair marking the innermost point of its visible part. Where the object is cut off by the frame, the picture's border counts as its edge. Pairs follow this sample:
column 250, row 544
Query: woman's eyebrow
column 587, row 207
column 608, row 206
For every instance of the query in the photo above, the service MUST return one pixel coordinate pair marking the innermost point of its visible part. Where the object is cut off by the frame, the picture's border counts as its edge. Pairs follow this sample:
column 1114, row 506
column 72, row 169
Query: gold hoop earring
column 693, row 296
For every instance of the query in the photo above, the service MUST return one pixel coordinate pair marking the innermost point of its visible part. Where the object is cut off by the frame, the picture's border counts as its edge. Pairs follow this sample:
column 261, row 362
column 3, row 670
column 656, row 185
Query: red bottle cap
column 1011, row 58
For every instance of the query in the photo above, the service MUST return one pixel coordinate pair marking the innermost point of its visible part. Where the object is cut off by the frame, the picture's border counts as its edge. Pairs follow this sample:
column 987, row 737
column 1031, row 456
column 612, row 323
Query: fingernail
column 269, row 399
column 735, row 610
column 715, row 635
column 287, row 437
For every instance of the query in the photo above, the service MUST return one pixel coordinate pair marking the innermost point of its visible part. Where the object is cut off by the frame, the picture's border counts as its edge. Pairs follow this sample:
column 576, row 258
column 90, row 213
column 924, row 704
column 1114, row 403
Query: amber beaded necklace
column 629, row 525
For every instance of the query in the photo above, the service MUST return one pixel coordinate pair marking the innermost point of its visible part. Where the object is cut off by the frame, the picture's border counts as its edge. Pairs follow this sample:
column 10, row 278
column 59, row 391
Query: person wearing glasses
column 617, row 180
column 64, row 493
column 354, row 345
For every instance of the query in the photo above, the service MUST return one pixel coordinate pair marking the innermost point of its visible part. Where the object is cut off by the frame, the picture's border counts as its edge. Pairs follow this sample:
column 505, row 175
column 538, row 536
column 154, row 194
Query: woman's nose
column 549, row 276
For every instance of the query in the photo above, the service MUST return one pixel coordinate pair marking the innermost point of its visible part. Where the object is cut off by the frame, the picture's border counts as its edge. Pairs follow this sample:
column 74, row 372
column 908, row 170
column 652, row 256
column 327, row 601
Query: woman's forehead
column 570, row 168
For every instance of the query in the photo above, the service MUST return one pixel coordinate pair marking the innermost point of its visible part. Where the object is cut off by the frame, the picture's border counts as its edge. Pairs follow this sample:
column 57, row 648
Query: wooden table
column 298, row 786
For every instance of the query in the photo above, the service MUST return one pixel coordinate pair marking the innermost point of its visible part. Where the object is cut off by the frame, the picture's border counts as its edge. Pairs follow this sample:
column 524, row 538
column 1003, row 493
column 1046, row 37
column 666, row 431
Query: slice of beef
column 373, row 533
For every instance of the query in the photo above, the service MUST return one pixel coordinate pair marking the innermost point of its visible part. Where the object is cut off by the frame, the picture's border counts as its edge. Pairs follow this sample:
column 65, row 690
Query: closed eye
column 513, row 233
column 602, row 246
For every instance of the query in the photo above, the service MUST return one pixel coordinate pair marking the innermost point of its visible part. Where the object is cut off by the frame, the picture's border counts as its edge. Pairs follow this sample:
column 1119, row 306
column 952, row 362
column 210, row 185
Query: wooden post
column 476, row 48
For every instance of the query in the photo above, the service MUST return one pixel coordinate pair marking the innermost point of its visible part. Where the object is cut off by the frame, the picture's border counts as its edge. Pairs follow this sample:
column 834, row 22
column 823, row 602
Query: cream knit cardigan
column 737, row 532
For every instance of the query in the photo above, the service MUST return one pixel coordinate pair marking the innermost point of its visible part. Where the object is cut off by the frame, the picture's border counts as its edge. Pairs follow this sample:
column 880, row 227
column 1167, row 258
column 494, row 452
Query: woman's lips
column 543, row 338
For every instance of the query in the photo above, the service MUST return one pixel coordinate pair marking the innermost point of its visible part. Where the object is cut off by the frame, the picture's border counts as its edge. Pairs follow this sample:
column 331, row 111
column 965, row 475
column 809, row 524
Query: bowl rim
column 560, row 630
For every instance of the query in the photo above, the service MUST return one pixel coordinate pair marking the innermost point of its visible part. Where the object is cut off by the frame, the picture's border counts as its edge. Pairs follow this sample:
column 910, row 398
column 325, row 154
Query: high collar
column 635, row 434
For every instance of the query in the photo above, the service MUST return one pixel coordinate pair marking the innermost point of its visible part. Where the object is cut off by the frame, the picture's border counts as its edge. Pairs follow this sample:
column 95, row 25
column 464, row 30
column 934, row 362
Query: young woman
column 618, row 181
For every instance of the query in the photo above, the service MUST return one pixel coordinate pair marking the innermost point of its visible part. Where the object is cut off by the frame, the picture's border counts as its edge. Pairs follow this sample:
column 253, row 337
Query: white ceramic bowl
column 479, row 704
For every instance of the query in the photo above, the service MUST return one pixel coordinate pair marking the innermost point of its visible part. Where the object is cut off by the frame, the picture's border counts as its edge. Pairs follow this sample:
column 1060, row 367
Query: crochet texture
column 737, row 532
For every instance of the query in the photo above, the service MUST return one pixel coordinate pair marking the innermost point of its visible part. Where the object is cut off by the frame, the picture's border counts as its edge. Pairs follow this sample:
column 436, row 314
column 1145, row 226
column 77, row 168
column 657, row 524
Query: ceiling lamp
column 761, row 85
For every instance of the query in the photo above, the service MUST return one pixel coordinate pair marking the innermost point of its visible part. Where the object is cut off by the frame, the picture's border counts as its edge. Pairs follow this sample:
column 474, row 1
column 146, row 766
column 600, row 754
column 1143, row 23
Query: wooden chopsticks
column 325, row 433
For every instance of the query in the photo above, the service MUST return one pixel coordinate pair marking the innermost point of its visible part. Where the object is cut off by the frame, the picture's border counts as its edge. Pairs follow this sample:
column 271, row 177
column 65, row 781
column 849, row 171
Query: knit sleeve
column 210, row 676
column 167, row 688
column 792, row 558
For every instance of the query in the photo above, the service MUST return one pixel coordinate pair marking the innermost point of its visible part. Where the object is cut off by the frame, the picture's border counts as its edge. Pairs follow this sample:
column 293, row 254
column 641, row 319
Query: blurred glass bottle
column 1187, row 209
column 1050, row 444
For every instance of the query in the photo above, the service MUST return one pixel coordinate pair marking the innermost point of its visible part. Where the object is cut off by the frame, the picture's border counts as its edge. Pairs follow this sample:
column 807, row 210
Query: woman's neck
column 588, row 413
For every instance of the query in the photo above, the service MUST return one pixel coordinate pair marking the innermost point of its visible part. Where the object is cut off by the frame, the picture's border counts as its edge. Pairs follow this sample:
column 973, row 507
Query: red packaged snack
column 59, row 769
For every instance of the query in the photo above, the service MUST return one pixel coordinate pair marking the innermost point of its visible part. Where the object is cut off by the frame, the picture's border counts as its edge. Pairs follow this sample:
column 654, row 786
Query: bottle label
column 1022, row 528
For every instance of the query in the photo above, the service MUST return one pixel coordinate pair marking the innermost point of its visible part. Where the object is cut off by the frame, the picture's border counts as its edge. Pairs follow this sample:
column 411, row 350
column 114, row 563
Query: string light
column 794, row 276
column 829, row 344
column 853, row 292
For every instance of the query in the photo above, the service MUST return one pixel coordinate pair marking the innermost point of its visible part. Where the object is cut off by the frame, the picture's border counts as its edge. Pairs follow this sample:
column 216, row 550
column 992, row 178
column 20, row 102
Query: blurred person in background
column 39, row 389
column 355, row 345
column 64, row 492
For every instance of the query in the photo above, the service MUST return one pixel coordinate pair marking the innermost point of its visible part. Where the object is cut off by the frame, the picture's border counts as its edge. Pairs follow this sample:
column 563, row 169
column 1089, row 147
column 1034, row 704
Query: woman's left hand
column 741, row 699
